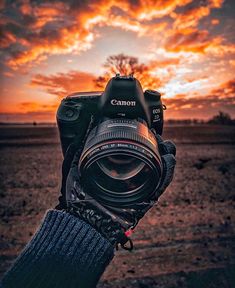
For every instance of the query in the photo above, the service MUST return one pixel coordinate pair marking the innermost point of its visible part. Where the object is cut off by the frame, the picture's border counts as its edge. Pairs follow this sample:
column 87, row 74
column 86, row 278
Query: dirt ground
column 186, row 240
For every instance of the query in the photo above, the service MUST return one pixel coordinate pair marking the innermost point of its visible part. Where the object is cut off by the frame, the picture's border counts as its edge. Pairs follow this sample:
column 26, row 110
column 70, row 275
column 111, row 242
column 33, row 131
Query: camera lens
column 120, row 164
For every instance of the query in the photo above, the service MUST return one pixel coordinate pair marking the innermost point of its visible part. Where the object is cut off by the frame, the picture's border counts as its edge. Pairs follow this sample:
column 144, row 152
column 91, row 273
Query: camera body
column 123, row 98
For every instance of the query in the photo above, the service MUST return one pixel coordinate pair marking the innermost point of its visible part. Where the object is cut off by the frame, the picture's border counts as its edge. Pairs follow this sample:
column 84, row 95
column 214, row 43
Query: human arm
column 64, row 252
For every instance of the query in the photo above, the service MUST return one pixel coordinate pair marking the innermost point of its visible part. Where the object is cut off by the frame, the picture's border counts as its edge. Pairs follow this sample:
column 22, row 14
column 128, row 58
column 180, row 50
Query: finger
column 170, row 147
column 69, row 156
column 169, row 162
column 66, row 169
column 161, row 147
column 72, row 185
column 76, row 158
column 73, row 151
column 165, row 147
column 159, row 138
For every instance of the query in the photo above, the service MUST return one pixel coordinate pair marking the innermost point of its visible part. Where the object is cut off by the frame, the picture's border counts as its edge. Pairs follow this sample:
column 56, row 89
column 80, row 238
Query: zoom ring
column 120, row 135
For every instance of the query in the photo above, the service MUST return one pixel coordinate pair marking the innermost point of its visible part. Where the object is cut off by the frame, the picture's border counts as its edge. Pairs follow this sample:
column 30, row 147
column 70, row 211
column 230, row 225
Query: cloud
column 188, row 34
column 198, row 107
column 32, row 31
column 191, row 40
column 226, row 90
column 150, row 9
column 37, row 31
column 196, row 41
column 203, row 106
column 181, row 106
column 7, row 38
column 26, row 107
column 181, row 102
column 191, row 14
column 215, row 21
column 62, row 84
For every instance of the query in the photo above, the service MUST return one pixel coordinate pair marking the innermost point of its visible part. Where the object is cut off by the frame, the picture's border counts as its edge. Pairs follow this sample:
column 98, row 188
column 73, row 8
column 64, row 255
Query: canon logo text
column 115, row 102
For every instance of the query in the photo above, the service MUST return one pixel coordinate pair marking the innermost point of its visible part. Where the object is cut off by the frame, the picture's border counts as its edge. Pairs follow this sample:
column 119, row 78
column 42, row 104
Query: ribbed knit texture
column 65, row 252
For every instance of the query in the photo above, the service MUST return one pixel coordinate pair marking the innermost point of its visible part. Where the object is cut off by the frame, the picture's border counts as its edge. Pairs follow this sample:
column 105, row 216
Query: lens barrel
column 120, row 164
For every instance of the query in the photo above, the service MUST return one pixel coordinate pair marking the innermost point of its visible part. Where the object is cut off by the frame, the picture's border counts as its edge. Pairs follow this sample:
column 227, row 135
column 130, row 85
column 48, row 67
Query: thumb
column 169, row 162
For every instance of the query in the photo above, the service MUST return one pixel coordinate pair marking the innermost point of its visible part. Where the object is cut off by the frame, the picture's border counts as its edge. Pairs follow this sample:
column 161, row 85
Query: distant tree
column 127, row 65
column 201, row 121
column 221, row 118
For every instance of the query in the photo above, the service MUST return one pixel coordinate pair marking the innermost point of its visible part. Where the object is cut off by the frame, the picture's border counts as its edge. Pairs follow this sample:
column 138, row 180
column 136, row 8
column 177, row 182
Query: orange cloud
column 64, row 41
column 219, row 99
column 150, row 9
column 191, row 40
column 6, row 39
column 62, row 84
column 226, row 90
column 198, row 107
column 180, row 106
column 190, row 18
column 222, row 96
column 193, row 14
column 44, row 14
column 149, row 74
column 26, row 107
column 185, row 35
column 45, row 29
column 215, row 21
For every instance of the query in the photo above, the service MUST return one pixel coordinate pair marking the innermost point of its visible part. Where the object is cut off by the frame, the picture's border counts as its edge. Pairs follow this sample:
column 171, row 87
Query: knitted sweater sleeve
column 64, row 252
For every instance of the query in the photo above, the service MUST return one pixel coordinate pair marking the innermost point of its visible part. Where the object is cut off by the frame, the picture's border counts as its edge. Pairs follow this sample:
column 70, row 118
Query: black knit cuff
column 65, row 252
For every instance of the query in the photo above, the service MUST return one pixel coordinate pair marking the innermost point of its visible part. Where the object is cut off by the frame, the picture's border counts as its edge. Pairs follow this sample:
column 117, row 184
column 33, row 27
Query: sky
column 52, row 48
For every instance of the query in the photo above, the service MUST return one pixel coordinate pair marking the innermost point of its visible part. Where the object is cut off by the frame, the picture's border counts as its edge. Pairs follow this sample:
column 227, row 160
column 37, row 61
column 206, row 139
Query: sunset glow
column 52, row 48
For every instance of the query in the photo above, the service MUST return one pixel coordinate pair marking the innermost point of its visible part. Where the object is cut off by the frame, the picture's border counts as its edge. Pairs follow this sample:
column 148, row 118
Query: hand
column 112, row 222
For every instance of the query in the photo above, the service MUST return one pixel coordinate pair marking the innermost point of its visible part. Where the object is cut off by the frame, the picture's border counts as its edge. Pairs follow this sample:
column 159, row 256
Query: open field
column 187, row 240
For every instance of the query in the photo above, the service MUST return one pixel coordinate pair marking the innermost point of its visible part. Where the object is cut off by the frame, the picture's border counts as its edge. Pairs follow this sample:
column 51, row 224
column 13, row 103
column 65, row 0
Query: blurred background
column 185, row 50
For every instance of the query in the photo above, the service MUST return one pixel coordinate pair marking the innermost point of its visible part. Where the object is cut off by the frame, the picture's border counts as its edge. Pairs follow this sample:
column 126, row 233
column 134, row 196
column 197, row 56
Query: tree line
column 221, row 118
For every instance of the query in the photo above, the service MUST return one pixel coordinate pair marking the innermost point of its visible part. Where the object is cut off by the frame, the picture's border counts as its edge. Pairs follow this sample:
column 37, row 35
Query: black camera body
column 120, row 164
column 123, row 98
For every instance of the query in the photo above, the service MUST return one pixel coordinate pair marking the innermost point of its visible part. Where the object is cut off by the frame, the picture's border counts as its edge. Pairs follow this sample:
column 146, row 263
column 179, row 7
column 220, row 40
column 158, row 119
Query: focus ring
column 120, row 135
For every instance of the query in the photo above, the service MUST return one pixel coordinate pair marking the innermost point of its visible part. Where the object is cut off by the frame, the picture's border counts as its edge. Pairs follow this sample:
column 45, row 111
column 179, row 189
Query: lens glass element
column 120, row 167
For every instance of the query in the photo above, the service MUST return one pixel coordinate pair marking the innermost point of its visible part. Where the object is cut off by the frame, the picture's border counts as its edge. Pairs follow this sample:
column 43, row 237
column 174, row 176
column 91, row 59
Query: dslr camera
column 120, row 164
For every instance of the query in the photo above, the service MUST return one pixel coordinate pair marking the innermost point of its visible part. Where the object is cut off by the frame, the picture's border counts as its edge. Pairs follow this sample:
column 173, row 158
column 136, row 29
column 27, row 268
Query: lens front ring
column 105, row 192
column 109, row 144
